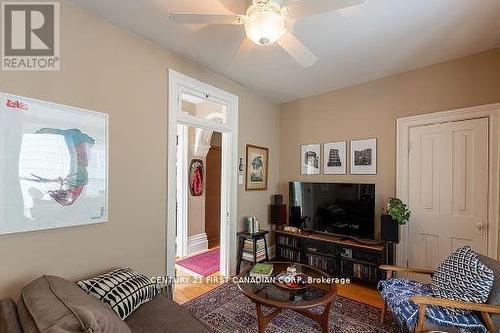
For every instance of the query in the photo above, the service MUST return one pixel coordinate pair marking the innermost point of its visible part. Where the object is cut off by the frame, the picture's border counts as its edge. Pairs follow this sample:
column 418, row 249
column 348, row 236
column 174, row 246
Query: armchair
column 414, row 305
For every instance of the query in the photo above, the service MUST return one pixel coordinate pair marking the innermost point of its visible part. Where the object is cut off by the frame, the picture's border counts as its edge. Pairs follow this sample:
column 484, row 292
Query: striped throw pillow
column 123, row 289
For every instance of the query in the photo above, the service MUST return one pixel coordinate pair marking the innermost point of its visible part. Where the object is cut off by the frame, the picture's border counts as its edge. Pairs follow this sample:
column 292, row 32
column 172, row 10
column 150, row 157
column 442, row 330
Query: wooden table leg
column 322, row 319
column 263, row 319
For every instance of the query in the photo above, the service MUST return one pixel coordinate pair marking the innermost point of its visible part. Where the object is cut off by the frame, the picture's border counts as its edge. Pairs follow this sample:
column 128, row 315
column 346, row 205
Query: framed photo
column 54, row 162
column 310, row 159
column 334, row 155
column 257, row 168
column 364, row 157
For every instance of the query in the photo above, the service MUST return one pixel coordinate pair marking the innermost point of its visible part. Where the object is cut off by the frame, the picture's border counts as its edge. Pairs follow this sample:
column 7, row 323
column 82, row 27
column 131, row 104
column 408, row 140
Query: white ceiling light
column 264, row 24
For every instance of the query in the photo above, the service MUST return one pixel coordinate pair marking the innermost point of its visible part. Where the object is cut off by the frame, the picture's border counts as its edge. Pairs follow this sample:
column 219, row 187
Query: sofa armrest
column 392, row 269
column 9, row 319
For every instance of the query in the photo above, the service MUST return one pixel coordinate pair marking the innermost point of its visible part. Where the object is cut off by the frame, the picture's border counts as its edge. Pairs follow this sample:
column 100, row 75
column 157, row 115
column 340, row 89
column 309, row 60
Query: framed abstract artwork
column 334, row 155
column 364, row 157
column 257, row 168
column 310, row 159
column 196, row 175
column 53, row 165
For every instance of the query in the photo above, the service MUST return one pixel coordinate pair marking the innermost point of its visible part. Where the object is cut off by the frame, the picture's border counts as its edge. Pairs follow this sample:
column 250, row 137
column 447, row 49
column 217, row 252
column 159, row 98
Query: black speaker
column 277, row 199
column 389, row 229
column 278, row 214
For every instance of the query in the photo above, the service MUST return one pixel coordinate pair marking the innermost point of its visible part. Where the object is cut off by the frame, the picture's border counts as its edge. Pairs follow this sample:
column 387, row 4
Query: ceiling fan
column 270, row 21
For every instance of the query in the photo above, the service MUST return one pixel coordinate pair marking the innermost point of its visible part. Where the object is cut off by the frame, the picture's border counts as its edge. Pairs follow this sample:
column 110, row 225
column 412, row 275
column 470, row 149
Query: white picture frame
column 310, row 159
column 54, row 162
column 364, row 157
column 334, row 158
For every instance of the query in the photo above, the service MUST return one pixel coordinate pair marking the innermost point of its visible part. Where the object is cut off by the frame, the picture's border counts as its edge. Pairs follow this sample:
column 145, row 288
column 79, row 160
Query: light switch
column 240, row 179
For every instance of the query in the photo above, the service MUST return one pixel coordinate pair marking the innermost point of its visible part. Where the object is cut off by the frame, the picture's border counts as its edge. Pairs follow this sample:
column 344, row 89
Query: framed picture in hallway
column 364, row 157
column 310, row 159
column 257, row 168
column 335, row 158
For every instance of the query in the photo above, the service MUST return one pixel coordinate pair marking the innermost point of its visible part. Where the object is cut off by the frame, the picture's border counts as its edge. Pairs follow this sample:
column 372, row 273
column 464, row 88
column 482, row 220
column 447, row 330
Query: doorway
column 217, row 113
column 199, row 156
column 213, row 190
column 448, row 173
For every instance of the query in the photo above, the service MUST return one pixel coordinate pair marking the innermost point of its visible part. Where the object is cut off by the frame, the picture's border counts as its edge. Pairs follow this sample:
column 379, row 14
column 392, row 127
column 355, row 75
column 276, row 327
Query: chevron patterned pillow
column 123, row 289
column 462, row 277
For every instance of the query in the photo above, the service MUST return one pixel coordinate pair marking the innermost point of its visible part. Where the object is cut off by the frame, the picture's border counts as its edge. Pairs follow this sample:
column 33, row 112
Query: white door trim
column 177, row 84
column 403, row 126
column 182, row 192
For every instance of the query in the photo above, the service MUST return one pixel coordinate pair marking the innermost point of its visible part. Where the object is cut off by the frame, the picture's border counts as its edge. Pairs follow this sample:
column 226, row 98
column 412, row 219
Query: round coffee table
column 267, row 293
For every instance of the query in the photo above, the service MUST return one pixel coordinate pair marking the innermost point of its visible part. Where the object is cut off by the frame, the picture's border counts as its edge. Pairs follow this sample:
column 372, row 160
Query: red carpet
column 203, row 264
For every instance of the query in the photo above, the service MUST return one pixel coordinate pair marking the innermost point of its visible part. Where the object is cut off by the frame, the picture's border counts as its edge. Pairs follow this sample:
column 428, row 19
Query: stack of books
column 248, row 250
column 261, row 270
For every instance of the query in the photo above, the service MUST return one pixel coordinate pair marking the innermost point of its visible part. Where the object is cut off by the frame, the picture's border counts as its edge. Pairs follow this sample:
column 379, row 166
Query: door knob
column 480, row 226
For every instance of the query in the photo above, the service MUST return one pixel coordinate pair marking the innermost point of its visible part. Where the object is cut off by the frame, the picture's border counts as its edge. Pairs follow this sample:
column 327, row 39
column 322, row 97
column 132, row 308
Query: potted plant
column 396, row 213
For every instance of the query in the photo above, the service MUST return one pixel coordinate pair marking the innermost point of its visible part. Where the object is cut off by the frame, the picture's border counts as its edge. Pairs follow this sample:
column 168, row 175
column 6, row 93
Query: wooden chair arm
column 480, row 307
column 419, row 270
column 484, row 309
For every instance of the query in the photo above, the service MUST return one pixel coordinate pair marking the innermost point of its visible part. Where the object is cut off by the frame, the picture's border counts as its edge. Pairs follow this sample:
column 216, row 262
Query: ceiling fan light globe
column 264, row 27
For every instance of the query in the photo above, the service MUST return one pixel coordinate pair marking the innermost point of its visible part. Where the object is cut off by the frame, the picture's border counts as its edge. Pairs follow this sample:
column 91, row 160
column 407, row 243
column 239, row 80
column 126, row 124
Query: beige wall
column 370, row 110
column 106, row 69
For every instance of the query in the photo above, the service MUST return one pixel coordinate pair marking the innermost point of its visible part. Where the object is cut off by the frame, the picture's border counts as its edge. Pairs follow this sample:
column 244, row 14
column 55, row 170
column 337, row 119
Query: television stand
column 340, row 256
column 366, row 241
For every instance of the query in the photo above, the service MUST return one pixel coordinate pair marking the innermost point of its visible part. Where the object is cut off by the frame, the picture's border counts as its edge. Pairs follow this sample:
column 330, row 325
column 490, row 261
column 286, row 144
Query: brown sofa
column 54, row 305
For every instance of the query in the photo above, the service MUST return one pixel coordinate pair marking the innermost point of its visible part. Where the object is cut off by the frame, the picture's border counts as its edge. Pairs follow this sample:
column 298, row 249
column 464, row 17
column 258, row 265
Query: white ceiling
column 371, row 41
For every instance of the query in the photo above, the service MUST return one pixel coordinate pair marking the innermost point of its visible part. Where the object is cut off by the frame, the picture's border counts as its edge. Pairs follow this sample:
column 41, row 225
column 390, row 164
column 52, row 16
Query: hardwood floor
column 357, row 292
column 361, row 294
column 186, row 292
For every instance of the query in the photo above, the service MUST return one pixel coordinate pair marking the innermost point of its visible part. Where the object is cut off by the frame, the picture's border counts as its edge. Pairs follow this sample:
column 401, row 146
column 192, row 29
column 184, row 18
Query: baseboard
column 197, row 243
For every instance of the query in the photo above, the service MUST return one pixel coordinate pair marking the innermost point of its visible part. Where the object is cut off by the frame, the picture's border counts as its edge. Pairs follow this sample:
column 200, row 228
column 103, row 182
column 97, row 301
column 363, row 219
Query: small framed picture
column 334, row 156
column 257, row 168
column 364, row 157
column 310, row 159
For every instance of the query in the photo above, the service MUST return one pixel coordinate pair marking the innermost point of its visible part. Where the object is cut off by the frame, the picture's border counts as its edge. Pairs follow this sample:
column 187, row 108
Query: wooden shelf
column 333, row 239
column 321, row 254
column 363, row 262
column 288, row 246
column 331, row 248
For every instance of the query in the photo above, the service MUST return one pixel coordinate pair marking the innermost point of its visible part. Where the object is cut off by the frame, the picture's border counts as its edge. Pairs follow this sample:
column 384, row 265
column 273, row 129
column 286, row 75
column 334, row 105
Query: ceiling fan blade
column 246, row 46
column 201, row 18
column 304, row 8
column 297, row 50
column 236, row 6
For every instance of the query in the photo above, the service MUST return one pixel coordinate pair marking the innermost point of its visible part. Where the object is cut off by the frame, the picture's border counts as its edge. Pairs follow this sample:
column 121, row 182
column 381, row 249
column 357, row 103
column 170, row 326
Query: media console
column 336, row 255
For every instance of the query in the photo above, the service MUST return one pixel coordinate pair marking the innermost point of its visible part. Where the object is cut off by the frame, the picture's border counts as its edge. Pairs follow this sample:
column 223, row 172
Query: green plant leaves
column 399, row 211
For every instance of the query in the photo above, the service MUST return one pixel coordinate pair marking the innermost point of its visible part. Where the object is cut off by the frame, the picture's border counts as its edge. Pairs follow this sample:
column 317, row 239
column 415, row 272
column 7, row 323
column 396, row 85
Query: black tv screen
column 344, row 209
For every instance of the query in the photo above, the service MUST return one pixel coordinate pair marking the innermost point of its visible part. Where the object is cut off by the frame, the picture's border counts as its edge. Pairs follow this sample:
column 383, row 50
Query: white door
column 448, row 190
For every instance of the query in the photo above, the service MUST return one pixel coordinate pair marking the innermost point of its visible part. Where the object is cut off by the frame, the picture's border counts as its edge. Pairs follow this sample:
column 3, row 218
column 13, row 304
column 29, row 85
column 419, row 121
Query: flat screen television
column 337, row 208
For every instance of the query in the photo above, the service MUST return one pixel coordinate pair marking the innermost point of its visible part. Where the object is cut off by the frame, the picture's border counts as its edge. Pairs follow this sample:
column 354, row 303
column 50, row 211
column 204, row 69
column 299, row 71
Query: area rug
column 225, row 309
column 202, row 264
